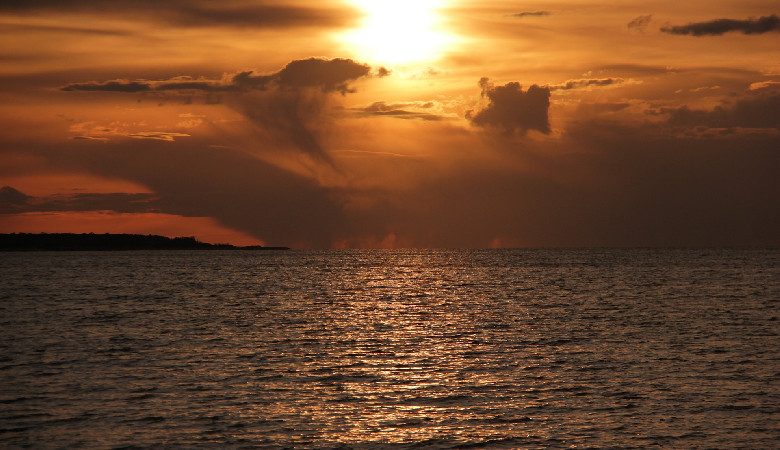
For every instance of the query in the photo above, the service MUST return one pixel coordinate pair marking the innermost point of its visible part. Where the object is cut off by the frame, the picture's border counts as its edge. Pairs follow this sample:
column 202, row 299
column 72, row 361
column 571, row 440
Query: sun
column 399, row 31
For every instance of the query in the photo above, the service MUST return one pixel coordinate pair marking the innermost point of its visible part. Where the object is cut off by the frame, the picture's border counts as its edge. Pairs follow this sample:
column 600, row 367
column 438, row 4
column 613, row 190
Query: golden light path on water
column 399, row 31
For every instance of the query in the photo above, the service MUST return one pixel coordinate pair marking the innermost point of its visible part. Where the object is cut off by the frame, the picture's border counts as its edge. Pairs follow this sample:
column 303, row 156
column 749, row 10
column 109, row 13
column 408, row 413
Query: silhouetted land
column 91, row 241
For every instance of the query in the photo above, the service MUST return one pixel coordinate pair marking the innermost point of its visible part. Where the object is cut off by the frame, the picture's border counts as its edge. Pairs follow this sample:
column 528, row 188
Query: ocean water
column 592, row 348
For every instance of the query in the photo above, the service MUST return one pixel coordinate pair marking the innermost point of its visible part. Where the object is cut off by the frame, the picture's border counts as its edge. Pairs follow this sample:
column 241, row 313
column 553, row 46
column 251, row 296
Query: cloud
column 599, row 183
column 583, row 83
column 720, row 26
column 288, row 118
column 243, row 192
column 384, row 71
column 13, row 201
column 285, row 108
column 189, row 84
column 403, row 110
column 640, row 23
column 110, row 86
column 593, row 109
column 752, row 112
column 532, row 13
column 513, row 110
column 193, row 13
column 157, row 135
column 65, row 29
column 329, row 75
column 181, row 83
column 96, row 132
column 764, row 85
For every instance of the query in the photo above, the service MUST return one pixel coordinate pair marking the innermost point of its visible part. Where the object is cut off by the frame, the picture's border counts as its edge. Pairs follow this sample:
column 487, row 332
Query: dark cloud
column 640, row 70
column 186, row 84
column 597, row 184
column 720, row 26
column 329, row 75
column 13, row 201
column 383, row 72
column 176, row 84
column 647, row 185
column 583, row 83
column 640, row 23
column 511, row 109
column 401, row 110
column 602, row 184
column 753, row 112
column 194, row 180
column 531, row 13
column 601, row 108
column 261, row 13
column 288, row 118
column 110, row 86
column 286, row 107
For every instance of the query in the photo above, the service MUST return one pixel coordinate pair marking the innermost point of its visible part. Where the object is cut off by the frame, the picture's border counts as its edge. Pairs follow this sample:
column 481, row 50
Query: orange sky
column 393, row 124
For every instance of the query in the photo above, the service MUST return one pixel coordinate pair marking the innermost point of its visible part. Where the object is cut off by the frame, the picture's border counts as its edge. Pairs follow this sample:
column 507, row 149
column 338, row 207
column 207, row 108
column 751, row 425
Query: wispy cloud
column 402, row 110
column 584, row 83
column 640, row 23
column 531, row 14
column 194, row 13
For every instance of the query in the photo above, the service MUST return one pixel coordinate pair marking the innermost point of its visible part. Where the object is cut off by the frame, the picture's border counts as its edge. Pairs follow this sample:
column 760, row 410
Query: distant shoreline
column 110, row 242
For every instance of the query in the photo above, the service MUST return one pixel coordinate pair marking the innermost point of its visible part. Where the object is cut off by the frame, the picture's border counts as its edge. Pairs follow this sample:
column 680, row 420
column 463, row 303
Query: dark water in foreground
column 398, row 349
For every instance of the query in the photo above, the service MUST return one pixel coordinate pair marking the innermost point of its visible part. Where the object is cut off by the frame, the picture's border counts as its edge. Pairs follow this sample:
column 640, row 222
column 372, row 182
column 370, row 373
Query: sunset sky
column 423, row 123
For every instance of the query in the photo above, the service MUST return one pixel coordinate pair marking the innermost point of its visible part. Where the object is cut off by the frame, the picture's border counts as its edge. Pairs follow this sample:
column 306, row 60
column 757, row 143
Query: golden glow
column 399, row 31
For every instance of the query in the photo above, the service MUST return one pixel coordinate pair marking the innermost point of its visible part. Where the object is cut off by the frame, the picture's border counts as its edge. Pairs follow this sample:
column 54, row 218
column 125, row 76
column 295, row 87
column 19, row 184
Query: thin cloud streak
column 193, row 13
column 532, row 14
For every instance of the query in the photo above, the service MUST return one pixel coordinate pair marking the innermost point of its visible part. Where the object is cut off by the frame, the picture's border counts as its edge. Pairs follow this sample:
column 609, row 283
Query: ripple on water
column 409, row 349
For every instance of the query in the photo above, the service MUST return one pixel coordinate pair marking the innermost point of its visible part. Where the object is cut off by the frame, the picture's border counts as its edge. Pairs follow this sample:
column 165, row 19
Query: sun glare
column 399, row 31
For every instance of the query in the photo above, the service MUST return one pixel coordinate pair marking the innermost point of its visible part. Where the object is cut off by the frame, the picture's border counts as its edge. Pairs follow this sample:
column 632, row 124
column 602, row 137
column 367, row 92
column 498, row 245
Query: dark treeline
column 91, row 241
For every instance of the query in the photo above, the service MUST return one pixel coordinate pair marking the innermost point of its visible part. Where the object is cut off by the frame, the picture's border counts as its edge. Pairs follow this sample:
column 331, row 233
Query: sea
column 396, row 349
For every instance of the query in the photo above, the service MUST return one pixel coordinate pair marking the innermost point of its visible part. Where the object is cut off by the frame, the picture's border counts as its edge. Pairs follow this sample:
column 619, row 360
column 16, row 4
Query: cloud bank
column 13, row 201
column 753, row 112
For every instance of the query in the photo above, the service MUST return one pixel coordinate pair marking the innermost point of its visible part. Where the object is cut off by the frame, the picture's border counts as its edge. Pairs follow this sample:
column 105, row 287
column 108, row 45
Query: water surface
column 391, row 349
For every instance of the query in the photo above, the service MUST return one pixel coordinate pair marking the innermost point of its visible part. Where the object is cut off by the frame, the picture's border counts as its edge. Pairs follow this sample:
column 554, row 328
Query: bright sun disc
column 399, row 31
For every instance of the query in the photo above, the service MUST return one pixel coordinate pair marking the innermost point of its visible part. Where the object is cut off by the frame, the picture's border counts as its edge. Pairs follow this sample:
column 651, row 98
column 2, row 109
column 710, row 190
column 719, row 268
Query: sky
column 394, row 124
